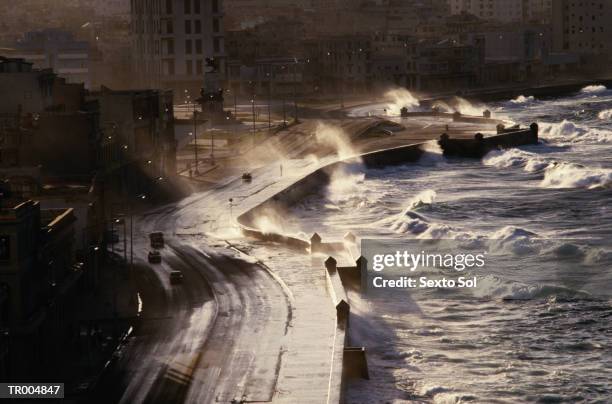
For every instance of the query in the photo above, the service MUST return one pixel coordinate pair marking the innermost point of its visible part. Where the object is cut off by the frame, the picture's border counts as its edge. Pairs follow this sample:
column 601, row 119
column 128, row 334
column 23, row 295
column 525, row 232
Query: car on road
column 157, row 239
column 176, row 277
column 154, row 257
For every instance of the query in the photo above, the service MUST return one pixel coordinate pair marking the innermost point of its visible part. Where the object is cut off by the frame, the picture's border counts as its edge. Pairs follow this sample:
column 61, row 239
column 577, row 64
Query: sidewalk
column 105, row 318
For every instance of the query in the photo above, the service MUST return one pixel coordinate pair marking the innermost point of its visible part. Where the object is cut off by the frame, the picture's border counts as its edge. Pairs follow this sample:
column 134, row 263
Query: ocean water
column 525, row 337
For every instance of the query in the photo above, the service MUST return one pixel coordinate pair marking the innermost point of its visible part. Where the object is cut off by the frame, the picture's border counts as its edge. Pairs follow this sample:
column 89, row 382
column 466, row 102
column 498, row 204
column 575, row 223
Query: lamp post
column 195, row 139
column 253, row 106
column 295, row 106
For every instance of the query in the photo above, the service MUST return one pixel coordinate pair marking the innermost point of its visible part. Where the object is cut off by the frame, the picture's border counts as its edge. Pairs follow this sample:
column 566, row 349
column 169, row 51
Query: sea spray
column 400, row 98
column 346, row 185
column 468, row 108
column 335, row 137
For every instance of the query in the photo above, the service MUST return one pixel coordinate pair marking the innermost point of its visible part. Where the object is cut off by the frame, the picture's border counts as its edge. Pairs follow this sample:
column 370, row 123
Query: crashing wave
column 400, row 98
column 521, row 99
column 605, row 115
column 514, row 240
column 594, row 89
column 531, row 162
column 568, row 131
column 493, row 286
column 424, row 198
column 569, row 175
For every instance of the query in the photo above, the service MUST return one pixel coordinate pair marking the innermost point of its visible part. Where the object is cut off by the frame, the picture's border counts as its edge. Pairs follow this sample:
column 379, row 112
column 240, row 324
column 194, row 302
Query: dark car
column 176, row 277
column 157, row 239
column 154, row 257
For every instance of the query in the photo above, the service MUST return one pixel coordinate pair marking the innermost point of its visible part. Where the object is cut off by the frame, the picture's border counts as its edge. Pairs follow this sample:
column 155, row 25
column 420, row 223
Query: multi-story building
column 341, row 63
column 109, row 8
column 138, row 143
column 38, row 289
column 442, row 65
column 498, row 10
column 538, row 11
column 583, row 27
column 171, row 41
column 58, row 50
column 504, row 10
column 40, row 109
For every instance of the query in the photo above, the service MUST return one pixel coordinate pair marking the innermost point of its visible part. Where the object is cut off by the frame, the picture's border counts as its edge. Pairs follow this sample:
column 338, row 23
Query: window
column 189, row 67
column 199, row 67
column 217, row 45
column 196, row 6
column 169, row 46
column 187, row 26
column 198, row 46
column 188, row 48
column 215, row 6
column 168, row 66
column 198, row 26
column 168, row 6
column 169, row 27
column 187, row 6
column 215, row 25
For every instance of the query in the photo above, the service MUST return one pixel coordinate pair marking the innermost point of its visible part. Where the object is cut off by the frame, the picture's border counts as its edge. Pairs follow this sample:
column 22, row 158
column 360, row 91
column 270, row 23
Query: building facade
column 171, row 41
column 498, row 10
column 584, row 28
column 38, row 284
column 58, row 50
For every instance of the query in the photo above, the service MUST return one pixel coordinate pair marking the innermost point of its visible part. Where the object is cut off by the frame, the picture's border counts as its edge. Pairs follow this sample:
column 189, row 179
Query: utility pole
column 253, row 105
column 269, row 101
column 131, row 238
column 195, row 138
column 235, row 106
column 295, row 106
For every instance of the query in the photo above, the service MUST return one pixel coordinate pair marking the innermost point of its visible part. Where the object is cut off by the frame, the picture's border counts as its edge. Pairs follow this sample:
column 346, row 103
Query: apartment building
column 171, row 40
column 498, row 10
column 583, row 27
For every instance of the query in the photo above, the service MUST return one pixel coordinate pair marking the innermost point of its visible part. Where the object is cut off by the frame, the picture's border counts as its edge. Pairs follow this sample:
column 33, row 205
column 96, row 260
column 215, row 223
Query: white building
column 171, row 40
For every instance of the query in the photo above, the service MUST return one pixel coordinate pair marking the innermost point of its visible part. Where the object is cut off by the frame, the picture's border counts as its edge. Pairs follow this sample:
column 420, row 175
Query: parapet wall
column 345, row 358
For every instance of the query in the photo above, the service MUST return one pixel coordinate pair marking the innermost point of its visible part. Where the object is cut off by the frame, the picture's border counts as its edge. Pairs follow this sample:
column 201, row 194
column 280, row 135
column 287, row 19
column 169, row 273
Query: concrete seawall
column 315, row 181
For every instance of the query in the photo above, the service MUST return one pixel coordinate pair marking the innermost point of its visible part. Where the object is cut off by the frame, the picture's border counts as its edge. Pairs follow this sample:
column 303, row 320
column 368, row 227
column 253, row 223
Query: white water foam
column 521, row 99
column 569, row 175
column 423, row 198
column 514, row 240
column 605, row 115
column 594, row 89
column 569, row 132
column 531, row 162
column 556, row 174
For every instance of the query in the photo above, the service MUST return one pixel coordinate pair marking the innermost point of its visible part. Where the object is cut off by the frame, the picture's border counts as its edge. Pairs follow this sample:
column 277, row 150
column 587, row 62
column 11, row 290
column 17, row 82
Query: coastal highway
column 234, row 329
column 216, row 337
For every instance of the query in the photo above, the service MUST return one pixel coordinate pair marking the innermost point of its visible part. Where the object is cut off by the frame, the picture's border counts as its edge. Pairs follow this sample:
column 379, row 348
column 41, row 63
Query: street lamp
column 253, row 107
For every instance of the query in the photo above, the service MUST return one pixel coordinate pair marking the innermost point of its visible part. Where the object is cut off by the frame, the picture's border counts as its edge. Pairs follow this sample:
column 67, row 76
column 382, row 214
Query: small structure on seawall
column 479, row 146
